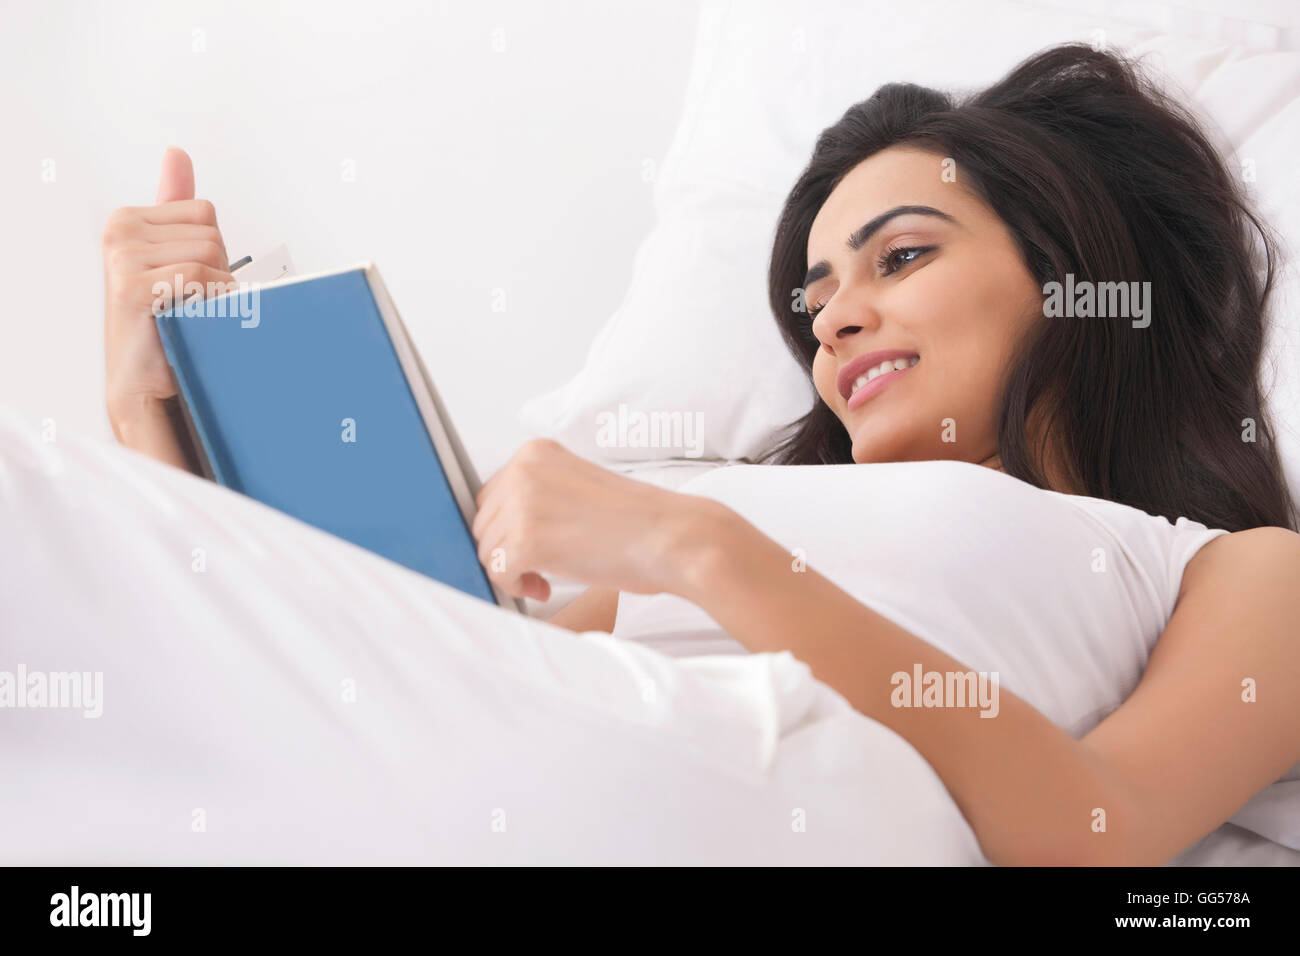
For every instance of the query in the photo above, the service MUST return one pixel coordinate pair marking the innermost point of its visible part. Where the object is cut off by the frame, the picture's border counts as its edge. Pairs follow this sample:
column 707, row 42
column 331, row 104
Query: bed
column 271, row 694
column 268, row 693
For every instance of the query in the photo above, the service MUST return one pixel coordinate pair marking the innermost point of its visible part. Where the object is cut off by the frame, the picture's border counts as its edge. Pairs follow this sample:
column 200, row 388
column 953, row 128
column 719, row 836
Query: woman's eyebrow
column 864, row 233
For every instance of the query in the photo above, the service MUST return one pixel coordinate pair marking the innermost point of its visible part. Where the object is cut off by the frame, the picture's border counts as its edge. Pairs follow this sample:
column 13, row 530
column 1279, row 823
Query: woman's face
column 937, row 289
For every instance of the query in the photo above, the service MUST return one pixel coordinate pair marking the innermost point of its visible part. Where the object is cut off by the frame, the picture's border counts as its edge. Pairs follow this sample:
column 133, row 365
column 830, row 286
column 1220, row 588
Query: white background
column 526, row 169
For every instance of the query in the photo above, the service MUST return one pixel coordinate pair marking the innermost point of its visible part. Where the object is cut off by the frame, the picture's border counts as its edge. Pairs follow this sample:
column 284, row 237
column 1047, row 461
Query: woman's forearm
column 151, row 427
column 1028, row 790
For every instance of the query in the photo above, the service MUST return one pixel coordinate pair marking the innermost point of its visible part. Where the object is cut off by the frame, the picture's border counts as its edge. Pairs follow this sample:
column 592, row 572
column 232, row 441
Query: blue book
column 308, row 395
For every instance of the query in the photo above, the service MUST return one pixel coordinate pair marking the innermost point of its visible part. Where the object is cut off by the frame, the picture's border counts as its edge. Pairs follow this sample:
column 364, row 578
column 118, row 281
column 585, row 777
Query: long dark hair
column 1097, row 173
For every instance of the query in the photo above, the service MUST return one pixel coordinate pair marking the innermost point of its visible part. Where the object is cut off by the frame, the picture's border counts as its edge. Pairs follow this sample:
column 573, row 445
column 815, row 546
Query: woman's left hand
column 548, row 511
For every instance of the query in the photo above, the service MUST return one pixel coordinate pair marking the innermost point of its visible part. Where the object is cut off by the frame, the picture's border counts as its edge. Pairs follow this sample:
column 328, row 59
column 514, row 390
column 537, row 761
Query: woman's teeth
column 892, row 365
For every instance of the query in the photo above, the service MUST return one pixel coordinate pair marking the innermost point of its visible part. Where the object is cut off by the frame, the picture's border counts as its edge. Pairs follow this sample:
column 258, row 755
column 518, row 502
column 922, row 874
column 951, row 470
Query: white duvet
column 271, row 694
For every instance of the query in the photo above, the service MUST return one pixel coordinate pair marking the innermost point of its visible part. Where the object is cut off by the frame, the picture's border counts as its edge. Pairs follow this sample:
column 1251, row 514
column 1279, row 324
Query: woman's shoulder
column 1256, row 554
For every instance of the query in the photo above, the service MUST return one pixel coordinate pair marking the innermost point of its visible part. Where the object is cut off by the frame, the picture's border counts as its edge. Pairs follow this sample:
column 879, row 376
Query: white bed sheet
column 300, row 700
column 1231, row 845
column 476, row 735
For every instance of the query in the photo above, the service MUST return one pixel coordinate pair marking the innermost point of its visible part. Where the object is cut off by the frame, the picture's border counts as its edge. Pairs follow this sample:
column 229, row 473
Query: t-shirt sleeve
column 1189, row 537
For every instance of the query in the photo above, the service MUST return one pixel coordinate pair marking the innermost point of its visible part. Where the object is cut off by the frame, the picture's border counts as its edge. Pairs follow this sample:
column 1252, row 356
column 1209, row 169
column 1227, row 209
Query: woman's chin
column 872, row 451
column 877, row 440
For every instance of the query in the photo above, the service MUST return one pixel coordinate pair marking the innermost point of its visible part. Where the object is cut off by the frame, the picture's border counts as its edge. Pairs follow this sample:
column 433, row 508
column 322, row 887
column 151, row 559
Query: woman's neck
column 1057, row 476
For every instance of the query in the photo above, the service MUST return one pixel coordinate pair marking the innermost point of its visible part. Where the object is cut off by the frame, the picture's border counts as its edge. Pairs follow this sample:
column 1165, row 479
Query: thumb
column 177, row 179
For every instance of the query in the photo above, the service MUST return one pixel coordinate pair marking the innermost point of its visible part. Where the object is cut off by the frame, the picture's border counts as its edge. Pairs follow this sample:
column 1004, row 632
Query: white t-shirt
column 1063, row 596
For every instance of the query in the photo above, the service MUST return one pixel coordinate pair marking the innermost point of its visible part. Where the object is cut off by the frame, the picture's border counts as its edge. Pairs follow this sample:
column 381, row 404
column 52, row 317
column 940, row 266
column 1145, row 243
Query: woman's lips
column 864, row 364
column 874, row 386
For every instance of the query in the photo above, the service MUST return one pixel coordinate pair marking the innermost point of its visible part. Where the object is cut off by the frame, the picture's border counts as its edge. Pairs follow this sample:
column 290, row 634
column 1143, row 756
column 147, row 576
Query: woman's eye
column 895, row 259
column 890, row 262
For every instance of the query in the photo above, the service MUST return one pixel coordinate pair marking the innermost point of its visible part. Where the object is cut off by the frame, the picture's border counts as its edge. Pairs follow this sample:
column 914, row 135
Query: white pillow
column 694, row 333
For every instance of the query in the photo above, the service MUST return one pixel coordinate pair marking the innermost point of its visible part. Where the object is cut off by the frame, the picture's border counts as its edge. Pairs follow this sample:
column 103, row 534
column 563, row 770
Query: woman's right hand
column 144, row 246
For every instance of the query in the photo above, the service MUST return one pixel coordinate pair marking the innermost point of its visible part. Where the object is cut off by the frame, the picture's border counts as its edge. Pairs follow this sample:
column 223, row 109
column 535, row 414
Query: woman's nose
column 842, row 320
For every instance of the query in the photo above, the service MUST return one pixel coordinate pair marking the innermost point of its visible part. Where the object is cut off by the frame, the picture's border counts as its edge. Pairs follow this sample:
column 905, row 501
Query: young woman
column 991, row 437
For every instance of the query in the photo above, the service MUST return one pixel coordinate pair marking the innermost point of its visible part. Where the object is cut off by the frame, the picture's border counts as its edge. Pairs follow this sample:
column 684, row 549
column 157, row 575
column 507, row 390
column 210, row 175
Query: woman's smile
column 876, row 377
